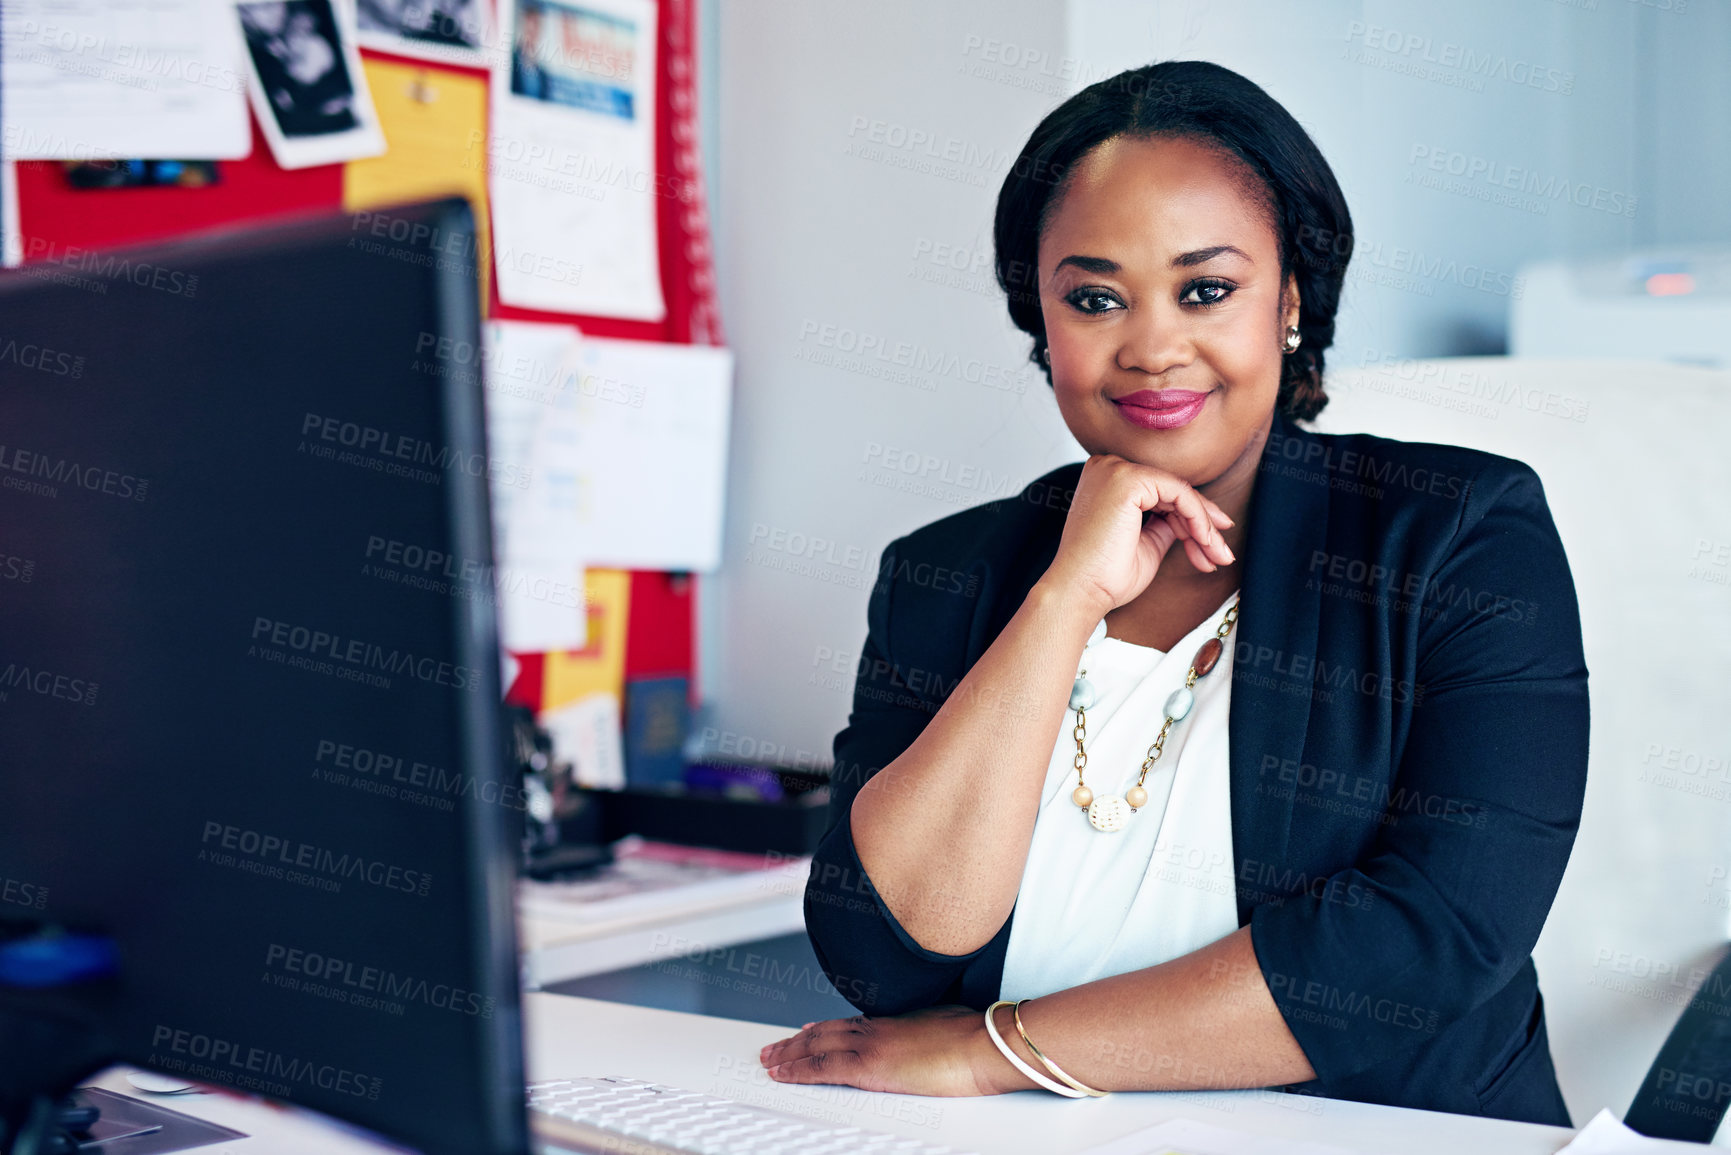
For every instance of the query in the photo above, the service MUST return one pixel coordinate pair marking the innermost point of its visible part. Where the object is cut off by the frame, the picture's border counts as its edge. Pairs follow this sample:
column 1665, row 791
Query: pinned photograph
column 578, row 57
column 571, row 158
column 448, row 31
column 308, row 91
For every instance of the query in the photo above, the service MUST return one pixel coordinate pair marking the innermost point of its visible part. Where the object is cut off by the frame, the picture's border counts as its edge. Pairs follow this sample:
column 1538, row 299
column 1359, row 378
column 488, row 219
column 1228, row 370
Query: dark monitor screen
column 249, row 678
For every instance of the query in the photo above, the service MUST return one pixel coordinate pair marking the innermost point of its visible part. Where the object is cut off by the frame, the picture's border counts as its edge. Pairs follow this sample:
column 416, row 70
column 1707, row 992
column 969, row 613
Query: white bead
column 1108, row 814
column 1083, row 695
column 1178, row 705
column 1099, row 632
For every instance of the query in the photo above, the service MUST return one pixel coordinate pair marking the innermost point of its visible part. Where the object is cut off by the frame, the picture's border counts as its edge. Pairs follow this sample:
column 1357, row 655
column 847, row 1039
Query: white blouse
column 1094, row 904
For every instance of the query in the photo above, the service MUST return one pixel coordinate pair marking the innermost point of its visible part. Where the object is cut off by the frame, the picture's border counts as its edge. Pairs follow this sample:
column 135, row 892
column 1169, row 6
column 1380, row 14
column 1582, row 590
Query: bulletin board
column 641, row 622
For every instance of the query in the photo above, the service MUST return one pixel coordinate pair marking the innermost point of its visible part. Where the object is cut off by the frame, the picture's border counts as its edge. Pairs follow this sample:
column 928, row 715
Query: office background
column 858, row 151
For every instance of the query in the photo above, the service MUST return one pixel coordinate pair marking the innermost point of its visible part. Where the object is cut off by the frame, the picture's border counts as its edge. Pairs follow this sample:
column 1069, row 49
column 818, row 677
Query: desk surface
column 570, row 1036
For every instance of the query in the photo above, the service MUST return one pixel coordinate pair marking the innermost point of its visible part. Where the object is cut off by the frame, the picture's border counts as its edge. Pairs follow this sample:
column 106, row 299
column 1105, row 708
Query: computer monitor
column 250, row 722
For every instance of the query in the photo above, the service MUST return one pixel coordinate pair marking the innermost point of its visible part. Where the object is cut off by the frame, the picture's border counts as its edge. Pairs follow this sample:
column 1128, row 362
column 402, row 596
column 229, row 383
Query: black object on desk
column 694, row 816
column 120, row 1123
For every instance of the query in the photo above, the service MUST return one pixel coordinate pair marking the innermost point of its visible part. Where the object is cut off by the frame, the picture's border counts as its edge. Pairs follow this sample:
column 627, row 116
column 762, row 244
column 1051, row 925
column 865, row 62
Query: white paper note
column 122, row 79
column 586, row 734
column 11, row 242
column 571, row 158
column 633, row 454
column 538, row 561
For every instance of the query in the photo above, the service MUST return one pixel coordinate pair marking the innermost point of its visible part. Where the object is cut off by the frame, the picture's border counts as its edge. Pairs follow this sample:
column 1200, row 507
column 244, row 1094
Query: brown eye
column 1092, row 301
column 1205, row 293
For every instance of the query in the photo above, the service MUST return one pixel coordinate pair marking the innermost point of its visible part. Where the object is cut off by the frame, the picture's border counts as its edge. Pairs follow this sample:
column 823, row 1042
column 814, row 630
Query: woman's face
column 1161, row 290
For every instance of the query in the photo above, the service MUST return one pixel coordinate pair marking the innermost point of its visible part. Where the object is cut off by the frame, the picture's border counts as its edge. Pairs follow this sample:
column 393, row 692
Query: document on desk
column 92, row 79
column 1606, row 1135
column 571, row 159
column 1185, row 1137
column 648, row 878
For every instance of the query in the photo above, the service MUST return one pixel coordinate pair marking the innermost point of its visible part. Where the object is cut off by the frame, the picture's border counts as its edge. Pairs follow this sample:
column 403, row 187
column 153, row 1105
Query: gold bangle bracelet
column 1057, row 1071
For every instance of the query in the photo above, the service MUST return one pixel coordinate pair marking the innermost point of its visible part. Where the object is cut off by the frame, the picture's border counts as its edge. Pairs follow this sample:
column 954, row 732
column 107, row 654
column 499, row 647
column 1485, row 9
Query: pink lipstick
column 1161, row 409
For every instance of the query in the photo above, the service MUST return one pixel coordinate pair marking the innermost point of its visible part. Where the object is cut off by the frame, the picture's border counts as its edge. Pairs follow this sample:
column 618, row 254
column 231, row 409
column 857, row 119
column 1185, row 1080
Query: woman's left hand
column 935, row 1051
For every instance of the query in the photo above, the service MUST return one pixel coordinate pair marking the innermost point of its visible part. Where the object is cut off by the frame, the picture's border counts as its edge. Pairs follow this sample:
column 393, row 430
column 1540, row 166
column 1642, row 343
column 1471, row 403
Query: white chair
column 1635, row 458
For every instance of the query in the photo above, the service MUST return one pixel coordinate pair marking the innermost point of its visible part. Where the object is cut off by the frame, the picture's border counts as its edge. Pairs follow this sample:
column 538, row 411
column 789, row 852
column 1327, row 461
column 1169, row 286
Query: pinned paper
column 306, row 84
column 586, row 735
column 87, row 81
column 627, row 403
column 571, row 158
column 448, row 31
column 435, row 124
column 599, row 667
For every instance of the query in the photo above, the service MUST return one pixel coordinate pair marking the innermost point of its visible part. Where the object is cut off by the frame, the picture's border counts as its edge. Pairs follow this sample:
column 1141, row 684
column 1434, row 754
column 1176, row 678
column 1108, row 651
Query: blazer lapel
column 1274, row 644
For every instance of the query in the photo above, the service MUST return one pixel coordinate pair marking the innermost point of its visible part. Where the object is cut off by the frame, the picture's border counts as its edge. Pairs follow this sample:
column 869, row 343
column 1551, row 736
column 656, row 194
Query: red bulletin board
column 55, row 218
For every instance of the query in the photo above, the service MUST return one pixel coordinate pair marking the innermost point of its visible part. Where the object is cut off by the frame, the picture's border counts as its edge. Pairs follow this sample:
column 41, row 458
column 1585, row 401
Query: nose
column 1154, row 340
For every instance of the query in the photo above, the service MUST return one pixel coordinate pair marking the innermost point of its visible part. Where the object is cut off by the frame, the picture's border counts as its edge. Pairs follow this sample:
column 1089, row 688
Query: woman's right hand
column 1108, row 554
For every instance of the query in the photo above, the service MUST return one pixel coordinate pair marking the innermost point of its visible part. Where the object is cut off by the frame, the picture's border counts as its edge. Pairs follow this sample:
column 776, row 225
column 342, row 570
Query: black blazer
column 1408, row 736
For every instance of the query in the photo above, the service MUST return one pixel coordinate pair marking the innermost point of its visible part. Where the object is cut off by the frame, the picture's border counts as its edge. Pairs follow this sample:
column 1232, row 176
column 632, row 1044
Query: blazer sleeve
column 1483, row 809
column 868, row 956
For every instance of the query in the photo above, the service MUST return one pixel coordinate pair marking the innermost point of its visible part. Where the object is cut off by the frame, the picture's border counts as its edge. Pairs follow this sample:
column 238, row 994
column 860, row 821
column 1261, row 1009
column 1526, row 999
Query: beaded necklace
column 1108, row 813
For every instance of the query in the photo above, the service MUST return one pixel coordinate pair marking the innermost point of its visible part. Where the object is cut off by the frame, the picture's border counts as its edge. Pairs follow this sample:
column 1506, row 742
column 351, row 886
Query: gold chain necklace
column 1109, row 813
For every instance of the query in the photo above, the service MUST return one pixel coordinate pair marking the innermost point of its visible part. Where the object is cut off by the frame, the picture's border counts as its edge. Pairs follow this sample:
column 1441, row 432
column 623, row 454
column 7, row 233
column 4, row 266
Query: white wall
column 828, row 236
column 813, row 228
column 1631, row 108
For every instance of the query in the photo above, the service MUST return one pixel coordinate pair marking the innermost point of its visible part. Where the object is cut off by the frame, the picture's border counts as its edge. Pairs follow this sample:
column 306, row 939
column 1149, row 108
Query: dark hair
column 1218, row 107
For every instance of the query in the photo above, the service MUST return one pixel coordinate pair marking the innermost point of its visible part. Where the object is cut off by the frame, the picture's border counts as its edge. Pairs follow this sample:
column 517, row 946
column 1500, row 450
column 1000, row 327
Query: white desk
column 569, row 1036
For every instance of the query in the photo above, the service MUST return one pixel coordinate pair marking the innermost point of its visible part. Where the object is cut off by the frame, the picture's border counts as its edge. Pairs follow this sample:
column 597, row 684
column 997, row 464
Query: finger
column 783, row 1049
column 1218, row 516
column 1201, row 528
column 1160, row 534
column 1187, row 504
column 844, row 1067
column 1199, row 558
column 811, row 1037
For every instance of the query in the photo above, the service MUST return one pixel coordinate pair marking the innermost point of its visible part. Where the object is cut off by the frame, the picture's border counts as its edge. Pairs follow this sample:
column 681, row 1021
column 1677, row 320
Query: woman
column 1315, row 856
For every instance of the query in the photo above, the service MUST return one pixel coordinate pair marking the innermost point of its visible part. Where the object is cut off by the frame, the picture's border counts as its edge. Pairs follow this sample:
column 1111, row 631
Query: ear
column 1289, row 302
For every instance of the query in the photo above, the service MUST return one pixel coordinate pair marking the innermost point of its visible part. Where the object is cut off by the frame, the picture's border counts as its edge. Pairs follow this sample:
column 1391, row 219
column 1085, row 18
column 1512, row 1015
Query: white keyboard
column 616, row 1115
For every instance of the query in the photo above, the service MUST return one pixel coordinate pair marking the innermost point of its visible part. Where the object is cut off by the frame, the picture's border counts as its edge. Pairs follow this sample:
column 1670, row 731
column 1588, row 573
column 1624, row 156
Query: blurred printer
column 1661, row 304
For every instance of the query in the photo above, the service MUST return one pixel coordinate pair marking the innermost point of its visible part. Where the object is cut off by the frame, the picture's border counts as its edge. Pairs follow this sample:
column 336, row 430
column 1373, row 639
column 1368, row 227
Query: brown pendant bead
column 1207, row 656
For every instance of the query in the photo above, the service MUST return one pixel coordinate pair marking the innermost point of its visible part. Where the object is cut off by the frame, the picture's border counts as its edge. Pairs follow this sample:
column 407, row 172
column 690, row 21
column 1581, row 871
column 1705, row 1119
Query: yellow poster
column 598, row 667
column 435, row 125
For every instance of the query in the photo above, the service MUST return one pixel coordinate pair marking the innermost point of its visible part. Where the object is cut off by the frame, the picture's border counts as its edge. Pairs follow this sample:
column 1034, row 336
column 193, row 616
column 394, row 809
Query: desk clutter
column 712, row 817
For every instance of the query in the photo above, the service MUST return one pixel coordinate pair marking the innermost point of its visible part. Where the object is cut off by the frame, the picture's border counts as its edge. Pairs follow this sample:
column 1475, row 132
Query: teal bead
column 1083, row 695
column 1178, row 705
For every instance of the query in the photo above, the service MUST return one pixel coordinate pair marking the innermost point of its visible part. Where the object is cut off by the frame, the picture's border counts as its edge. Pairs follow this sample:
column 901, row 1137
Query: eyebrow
column 1105, row 267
